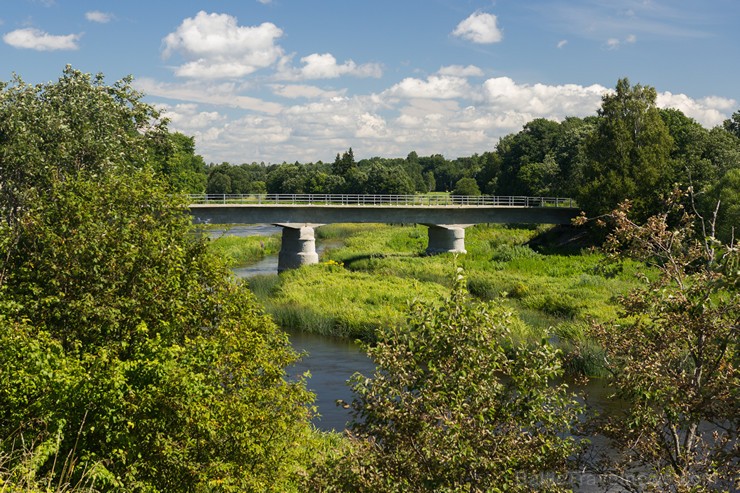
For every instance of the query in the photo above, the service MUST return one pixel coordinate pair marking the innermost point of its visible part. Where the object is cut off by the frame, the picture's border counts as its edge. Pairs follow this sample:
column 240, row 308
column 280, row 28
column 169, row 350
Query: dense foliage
column 674, row 361
column 456, row 405
column 127, row 351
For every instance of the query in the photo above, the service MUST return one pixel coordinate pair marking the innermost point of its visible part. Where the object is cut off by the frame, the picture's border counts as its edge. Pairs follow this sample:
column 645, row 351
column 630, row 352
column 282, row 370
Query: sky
column 298, row 80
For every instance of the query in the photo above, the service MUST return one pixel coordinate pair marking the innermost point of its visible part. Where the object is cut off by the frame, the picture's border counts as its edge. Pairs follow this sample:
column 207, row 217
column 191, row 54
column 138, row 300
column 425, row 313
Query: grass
column 239, row 251
column 368, row 282
column 331, row 300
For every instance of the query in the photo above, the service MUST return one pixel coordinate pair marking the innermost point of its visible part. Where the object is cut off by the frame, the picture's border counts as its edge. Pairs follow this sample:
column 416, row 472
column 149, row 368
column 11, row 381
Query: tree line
column 629, row 149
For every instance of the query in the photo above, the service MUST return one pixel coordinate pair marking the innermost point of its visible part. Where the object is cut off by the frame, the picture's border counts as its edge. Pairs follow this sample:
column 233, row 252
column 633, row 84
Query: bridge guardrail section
column 382, row 200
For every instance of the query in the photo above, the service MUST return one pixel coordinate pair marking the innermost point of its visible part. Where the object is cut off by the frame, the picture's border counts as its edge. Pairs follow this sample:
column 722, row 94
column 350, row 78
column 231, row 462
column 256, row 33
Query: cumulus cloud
column 441, row 114
column 216, row 46
column 541, row 100
column 35, row 39
column 708, row 111
column 325, row 66
column 480, row 28
column 98, row 16
column 371, row 126
column 460, row 71
column 435, row 87
column 562, row 43
column 189, row 118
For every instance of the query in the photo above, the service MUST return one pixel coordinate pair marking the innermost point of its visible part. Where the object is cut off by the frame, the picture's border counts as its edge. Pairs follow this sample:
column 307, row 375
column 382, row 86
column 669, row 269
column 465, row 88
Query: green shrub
column 558, row 305
column 456, row 405
column 507, row 253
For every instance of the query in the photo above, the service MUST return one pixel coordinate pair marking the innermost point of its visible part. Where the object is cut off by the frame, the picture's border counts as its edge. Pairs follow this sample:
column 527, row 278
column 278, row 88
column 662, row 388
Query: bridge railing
column 381, row 200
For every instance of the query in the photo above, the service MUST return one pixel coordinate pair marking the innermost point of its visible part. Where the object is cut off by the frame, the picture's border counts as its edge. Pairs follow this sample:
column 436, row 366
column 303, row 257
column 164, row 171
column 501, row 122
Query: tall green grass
column 331, row 300
column 368, row 281
column 243, row 250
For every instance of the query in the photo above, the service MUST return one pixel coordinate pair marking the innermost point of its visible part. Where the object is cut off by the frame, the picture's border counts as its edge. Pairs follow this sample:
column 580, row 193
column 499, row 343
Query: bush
column 118, row 328
column 455, row 405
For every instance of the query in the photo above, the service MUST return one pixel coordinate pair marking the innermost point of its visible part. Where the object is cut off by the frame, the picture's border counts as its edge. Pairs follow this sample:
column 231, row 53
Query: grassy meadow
column 240, row 251
column 369, row 281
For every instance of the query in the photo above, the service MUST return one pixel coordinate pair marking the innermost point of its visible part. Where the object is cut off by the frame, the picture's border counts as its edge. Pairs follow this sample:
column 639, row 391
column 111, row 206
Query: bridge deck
column 383, row 200
column 446, row 216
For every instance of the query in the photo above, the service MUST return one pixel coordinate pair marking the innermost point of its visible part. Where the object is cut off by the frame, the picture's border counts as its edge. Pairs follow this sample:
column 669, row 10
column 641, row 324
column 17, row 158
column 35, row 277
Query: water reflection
column 331, row 362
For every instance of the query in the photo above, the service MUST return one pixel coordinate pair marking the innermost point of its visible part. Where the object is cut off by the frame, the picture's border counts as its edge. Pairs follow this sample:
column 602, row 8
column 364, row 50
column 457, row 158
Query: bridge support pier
column 446, row 238
column 298, row 246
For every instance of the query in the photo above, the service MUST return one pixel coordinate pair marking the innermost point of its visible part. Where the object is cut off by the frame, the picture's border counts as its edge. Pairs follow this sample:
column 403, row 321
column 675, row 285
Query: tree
column 124, row 343
column 445, row 174
column 487, row 178
column 629, row 154
column 466, row 186
column 456, row 405
column 732, row 124
column 181, row 167
column 539, row 178
column 342, row 165
column 76, row 124
column 723, row 199
column 531, row 145
column 674, row 359
column 382, row 179
column 219, row 183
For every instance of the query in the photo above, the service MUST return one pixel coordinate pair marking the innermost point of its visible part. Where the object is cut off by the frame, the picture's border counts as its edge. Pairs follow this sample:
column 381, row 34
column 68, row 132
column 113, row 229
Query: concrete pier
column 298, row 246
column 446, row 238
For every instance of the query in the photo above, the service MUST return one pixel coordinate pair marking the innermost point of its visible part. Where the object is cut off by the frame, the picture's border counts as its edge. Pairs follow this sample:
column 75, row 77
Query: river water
column 330, row 361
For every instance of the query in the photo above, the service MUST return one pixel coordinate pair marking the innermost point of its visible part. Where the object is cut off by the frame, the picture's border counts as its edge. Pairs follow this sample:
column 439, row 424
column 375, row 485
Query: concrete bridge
column 445, row 216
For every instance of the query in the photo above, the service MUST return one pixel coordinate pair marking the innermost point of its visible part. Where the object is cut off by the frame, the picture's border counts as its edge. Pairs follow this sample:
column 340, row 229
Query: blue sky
column 296, row 80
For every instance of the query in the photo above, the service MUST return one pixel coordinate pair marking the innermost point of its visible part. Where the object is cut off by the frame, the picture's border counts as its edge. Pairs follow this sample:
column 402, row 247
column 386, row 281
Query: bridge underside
column 446, row 224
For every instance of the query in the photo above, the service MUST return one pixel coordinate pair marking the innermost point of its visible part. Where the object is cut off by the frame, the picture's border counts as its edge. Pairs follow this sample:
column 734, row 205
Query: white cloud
column 264, row 2
column 541, row 100
column 631, row 38
column 35, row 39
column 460, row 71
column 324, row 66
column 295, row 91
column 215, row 46
column 435, row 87
column 562, row 43
column 596, row 20
column 480, row 27
column 707, row 111
column 441, row 114
column 370, row 126
column 209, row 93
column 187, row 117
column 98, row 16
column 612, row 43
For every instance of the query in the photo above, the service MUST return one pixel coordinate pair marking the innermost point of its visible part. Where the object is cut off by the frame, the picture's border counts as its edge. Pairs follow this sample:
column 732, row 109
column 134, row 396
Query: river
column 332, row 361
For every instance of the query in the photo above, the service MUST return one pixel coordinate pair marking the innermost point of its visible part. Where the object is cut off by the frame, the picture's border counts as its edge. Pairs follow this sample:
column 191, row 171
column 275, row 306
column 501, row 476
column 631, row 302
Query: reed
column 367, row 283
column 243, row 250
